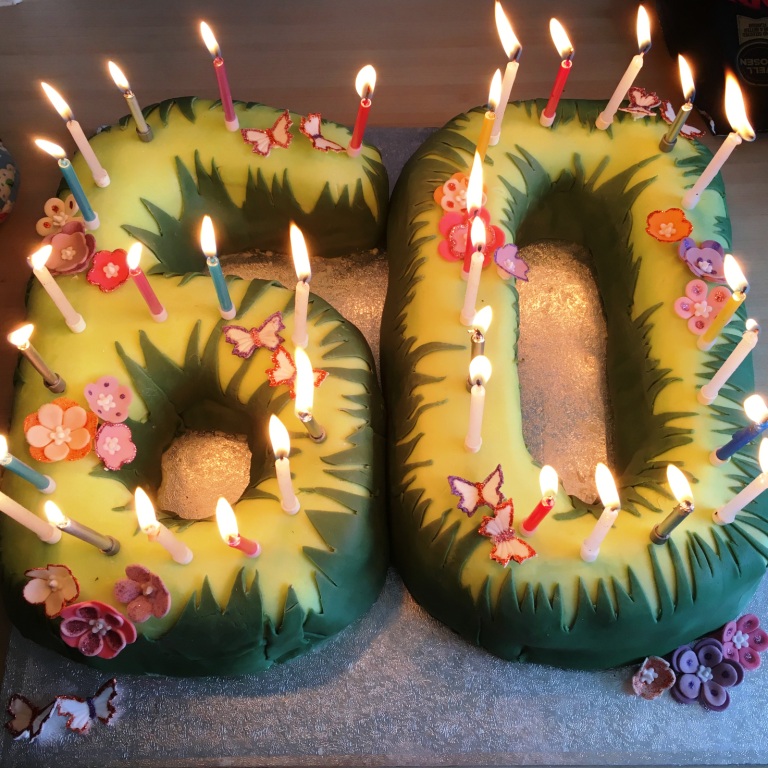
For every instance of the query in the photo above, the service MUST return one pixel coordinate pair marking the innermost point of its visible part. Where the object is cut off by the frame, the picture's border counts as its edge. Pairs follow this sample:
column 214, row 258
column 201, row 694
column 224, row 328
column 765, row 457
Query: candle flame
column 756, row 409
column 54, row 150
column 207, row 237
column 54, row 514
column 40, row 257
column 560, row 39
column 278, row 436
column 305, row 382
column 482, row 319
column 477, row 233
column 210, row 40
column 548, row 480
column 494, row 93
column 686, row 79
column 606, row 486
column 365, row 82
column 733, row 274
column 145, row 512
column 735, row 109
column 121, row 81
column 226, row 520
column 58, row 102
column 475, row 185
column 762, row 455
column 509, row 41
column 678, row 482
column 643, row 30
column 20, row 337
column 300, row 254
column 480, row 370
column 133, row 258
column 3, row 447
column 752, row 325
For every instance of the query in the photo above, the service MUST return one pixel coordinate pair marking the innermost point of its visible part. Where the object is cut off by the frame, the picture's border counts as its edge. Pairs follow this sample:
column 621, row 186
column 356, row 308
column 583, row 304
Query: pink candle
column 227, row 522
column 230, row 118
column 364, row 83
column 564, row 47
column 156, row 309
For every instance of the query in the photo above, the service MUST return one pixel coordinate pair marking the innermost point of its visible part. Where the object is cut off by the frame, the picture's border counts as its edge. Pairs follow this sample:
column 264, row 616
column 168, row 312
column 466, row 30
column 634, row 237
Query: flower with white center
column 67, row 254
column 667, row 229
column 53, row 586
column 111, row 445
column 704, row 673
column 701, row 309
column 648, row 675
column 105, row 401
column 740, row 639
column 111, row 270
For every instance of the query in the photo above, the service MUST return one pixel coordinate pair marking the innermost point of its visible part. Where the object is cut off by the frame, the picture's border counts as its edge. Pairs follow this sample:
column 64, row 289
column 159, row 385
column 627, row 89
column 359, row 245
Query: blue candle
column 208, row 247
column 43, row 483
column 757, row 411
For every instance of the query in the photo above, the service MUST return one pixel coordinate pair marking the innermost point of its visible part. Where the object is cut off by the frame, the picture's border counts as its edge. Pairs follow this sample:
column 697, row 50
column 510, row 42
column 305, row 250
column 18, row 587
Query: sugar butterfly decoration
column 263, row 139
column 472, row 496
column 284, row 372
column 247, row 341
column 27, row 720
column 506, row 545
column 310, row 127
column 668, row 113
column 641, row 102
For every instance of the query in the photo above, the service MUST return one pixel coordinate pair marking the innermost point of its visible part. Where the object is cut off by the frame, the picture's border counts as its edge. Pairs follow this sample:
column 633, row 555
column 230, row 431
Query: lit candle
column 609, row 497
column 43, row 483
column 605, row 118
column 474, row 204
column 208, row 247
column 748, row 342
column 727, row 513
column 468, row 311
column 230, row 118
column 494, row 94
column 90, row 217
column 548, row 483
column 304, row 275
column 305, row 395
column 156, row 531
column 44, row 531
column 227, row 522
column 100, row 176
column 668, row 141
column 20, row 339
column 365, row 83
column 281, row 446
column 681, row 490
column 38, row 261
column 565, row 49
column 513, row 49
column 121, row 81
column 479, row 373
column 742, row 131
column 106, row 544
column 739, row 287
column 133, row 259
column 480, row 324
column 757, row 412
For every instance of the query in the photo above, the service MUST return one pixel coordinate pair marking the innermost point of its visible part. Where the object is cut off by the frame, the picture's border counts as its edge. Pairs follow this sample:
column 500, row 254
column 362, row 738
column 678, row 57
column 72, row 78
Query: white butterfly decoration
column 310, row 127
column 246, row 341
column 263, row 139
column 472, row 496
column 641, row 102
column 668, row 113
column 284, row 372
column 506, row 545
column 26, row 720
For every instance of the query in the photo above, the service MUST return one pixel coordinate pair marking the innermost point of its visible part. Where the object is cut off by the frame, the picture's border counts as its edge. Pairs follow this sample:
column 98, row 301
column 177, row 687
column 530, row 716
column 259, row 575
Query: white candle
column 281, row 446
column 748, row 342
column 304, row 274
column 38, row 261
column 469, row 311
column 513, row 49
column 727, row 513
column 100, row 176
column 742, row 131
column 156, row 531
column 605, row 118
column 609, row 498
column 479, row 373
column 44, row 531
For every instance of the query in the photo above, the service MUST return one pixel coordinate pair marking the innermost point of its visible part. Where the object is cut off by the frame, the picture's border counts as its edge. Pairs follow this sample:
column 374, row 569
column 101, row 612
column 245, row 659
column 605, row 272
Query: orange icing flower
column 668, row 226
column 60, row 430
column 452, row 196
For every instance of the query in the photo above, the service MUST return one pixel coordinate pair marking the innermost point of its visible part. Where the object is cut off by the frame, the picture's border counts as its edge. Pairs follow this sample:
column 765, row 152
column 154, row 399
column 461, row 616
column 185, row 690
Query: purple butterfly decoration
column 472, row 496
column 246, row 341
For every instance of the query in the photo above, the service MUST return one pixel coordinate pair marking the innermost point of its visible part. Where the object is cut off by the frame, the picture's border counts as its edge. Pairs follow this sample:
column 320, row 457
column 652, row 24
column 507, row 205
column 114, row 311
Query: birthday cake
column 662, row 572
column 174, row 598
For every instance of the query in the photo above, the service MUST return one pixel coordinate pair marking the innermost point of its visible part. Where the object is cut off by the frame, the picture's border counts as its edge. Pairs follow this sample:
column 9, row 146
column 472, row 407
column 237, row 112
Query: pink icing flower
column 72, row 249
column 54, row 585
column 698, row 308
column 114, row 445
column 60, row 430
column 109, row 399
column 744, row 640
column 57, row 214
column 144, row 593
column 454, row 228
column 96, row 629
column 109, row 270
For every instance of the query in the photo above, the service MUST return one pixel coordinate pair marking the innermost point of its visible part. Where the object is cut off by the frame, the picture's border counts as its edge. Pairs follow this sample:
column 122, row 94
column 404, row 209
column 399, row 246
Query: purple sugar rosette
column 705, row 674
column 705, row 260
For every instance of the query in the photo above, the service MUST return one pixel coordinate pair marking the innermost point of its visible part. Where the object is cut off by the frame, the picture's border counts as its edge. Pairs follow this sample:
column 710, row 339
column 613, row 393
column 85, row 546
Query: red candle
column 548, row 483
column 230, row 118
column 364, row 83
column 474, row 204
column 564, row 47
column 156, row 309
column 227, row 522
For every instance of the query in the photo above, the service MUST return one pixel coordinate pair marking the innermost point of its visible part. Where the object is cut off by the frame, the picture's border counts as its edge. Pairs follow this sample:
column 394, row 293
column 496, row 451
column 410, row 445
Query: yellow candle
column 739, row 285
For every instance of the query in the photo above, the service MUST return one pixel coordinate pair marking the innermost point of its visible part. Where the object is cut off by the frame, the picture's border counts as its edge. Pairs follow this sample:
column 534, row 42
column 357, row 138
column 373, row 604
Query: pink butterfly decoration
column 264, row 139
column 641, row 102
column 284, row 372
column 472, row 496
column 668, row 113
column 310, row 127
column 506, row 545
column 246, row 341
column 80, row 713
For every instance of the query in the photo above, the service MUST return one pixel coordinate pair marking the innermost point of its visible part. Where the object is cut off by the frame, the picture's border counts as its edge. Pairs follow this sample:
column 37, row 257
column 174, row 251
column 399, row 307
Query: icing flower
column 653, row 678
column 57, row 214
column 109, row 399
column 454, row 228
column 144, row 593
column 704, row 674
column 114, row 445
column 698, row 308
column 96, row 629
column 60, row 430
column 72, row 249
column 668, row 226
column 452, row 196
column 54, row 585
column 109, row 270
column 744, row 640
column 509, row 264
column 705, row 260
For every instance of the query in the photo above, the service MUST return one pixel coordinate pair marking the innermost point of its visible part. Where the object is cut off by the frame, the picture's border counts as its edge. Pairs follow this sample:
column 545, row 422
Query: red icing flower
column 96, row 629
column 454, row 227
column 72, row 249
column 668, row 226
column 60, row 430
column 144, row 593
column 109, row 270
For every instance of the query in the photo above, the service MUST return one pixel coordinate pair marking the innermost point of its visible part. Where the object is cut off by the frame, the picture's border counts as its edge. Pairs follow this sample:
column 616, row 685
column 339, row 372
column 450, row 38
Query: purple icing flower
column 704, row 674
column 744, row 640
column 144, row 593
column 705, row 260
column 109, row 399
column 114, row 445
column 509, row 264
